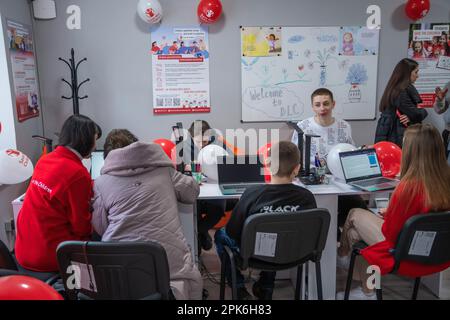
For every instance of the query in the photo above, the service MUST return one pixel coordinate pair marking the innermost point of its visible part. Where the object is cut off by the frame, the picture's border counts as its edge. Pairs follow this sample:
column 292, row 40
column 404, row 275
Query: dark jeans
column 221, row 238
column 209, row 213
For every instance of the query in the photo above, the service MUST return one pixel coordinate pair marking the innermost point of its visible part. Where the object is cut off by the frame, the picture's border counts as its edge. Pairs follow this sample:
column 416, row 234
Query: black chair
column 9, row 266
column 118, row 270
column 301, row 237
column 435, row 223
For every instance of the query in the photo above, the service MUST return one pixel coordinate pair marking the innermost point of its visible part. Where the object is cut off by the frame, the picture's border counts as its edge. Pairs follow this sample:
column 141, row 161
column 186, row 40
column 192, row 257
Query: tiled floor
column 394, row 287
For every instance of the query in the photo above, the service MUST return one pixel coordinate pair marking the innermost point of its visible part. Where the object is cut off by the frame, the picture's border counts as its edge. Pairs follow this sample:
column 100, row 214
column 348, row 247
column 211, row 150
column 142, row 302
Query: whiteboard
column 278, row 77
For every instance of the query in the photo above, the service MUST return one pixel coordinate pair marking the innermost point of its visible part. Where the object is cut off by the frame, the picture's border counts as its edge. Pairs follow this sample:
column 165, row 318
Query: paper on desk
column 422, row 243
column 265, row 244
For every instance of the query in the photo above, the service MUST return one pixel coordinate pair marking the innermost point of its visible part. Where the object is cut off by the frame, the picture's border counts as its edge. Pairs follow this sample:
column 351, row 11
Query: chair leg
column 319, row 280
column 233, row 273
column 416, row 288
column 223, row 269
column 379, row 294
column 350, row 274
column 298, row 287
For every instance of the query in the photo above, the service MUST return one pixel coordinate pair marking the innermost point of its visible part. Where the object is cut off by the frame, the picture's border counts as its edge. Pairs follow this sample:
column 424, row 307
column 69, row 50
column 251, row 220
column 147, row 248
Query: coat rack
column 74, row 86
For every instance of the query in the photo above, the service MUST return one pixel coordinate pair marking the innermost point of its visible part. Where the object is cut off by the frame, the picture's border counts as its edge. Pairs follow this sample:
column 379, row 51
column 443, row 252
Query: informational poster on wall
column 282, row 66
column 23, row 64
column 180, row 67
column 7, row 130
column 429, row 45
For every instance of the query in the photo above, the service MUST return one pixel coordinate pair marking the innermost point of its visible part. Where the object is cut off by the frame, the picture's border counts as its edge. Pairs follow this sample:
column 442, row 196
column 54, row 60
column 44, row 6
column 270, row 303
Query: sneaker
column 357, row 294
column 205, row 241
column 260, row 292
column 343, row 262
column 243, row 294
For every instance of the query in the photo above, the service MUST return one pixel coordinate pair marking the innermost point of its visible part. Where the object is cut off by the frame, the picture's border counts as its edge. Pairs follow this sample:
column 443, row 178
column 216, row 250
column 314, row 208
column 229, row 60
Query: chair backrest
column 425, row 239
column 118, row 270
column 285, row 238
column 6, row 258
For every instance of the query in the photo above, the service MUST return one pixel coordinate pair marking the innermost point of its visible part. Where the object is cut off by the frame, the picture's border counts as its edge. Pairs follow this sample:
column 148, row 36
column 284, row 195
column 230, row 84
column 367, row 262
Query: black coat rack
column 74, row 86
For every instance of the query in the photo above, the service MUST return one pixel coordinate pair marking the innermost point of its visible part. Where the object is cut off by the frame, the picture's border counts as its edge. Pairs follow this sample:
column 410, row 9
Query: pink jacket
column 135, row 199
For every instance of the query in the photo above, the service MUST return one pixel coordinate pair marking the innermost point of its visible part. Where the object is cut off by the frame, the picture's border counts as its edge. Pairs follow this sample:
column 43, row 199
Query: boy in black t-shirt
column 278, row 196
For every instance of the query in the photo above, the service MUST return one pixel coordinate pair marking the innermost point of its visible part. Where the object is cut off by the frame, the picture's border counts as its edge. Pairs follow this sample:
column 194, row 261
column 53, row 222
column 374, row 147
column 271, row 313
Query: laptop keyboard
column 237, row 186
column 381, row 182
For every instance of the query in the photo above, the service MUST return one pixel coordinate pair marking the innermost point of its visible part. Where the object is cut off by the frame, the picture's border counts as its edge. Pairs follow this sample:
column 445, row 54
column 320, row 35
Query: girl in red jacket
column 57, row 202
column 424, row 187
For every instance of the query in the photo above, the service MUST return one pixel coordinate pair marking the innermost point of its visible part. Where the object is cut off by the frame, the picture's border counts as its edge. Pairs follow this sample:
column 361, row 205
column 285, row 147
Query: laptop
column 362, row 170
column 237, row 173
column 97, row 162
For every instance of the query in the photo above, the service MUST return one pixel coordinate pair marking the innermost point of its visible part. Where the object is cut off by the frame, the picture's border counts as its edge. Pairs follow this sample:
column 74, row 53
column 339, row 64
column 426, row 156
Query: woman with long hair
column 424, row 188
column 399, row 103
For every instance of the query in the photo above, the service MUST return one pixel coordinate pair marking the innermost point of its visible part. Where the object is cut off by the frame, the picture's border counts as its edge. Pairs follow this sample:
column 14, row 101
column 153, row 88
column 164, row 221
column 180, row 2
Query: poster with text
column 429, row 45
column 23, row 65
column 180, row 67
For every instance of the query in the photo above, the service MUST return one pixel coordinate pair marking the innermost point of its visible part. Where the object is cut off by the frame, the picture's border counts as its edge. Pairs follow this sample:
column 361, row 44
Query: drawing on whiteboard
column 296, row 39
column 248, row 63
column 357, row 75
column 284, row 103
column 322, row 56
column 278, row 88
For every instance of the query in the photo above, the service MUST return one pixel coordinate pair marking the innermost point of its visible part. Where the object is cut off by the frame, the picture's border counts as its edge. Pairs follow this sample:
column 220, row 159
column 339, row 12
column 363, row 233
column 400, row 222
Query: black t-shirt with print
column 268, row 198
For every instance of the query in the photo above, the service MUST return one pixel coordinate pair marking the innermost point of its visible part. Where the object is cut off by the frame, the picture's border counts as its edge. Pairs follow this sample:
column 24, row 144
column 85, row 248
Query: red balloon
column 167, row 146
column 263, row 153
column 390, row 157
column 26, row 288
column 209, row 11
column 417, row 9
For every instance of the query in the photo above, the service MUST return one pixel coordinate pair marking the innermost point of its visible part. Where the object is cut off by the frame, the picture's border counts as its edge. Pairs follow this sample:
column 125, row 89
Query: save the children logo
column 150, row 13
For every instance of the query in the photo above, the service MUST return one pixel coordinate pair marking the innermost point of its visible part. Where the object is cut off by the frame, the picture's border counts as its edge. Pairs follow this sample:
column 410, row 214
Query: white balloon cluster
column 15, row 167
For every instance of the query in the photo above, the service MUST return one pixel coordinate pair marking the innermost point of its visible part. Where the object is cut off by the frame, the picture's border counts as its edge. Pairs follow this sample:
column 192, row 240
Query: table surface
column 211, row 190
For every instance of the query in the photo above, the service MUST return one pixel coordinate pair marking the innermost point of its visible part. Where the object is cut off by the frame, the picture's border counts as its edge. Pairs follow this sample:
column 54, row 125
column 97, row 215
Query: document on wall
column 429, row 45
column 180, row 70
column 23, row 65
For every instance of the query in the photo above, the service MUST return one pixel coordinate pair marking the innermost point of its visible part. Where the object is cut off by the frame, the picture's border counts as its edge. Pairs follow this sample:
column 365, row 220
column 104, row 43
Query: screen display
column 97, row 164
column 240, row 169
column 360, row 164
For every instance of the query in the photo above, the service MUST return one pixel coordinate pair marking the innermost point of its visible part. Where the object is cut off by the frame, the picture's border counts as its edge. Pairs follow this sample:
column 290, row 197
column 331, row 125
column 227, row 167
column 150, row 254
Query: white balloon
column 150, row 11
column 333, row 161
column 207, row 157
column 15, row 167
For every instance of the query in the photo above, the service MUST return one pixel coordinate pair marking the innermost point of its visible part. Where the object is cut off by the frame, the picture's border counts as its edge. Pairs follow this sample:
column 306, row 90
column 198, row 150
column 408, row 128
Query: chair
column 9, row 266
column 117, row 270
column 301, row 237
column 436, row 223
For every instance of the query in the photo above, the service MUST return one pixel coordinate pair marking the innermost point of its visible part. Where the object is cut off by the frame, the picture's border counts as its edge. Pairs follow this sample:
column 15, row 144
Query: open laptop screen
column 240, row 169
column 360, row 164
column 97, row 162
